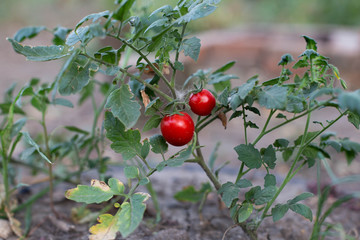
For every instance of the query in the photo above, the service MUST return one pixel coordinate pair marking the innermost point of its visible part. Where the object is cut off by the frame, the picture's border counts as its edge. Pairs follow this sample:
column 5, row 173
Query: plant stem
column 5, row 175
column 207, row 170
column 198, row 129
column 48, row 153
column 172, row 82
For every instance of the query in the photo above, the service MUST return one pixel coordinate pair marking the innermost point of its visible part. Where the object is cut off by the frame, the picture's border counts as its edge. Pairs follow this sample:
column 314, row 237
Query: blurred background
column 255, row 33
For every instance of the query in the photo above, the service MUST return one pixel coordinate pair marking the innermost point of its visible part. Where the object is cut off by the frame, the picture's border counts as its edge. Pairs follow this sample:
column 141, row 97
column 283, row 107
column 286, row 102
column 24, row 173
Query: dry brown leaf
column 102, row 185
column 145, row 98
column 5, row 229
column 14, row 223
column 223, row 118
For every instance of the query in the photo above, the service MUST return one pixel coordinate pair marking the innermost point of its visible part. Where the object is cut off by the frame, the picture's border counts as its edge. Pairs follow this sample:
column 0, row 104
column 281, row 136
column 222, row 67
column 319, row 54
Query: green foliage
column 131, row 93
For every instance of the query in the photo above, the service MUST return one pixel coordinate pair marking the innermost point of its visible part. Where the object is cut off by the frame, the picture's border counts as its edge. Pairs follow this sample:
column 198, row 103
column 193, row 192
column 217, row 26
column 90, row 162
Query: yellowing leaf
column 106, row 229
column 100, row 184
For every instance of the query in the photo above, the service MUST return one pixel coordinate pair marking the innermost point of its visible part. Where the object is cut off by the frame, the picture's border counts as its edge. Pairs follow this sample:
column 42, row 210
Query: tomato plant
column 202, row 103
column 131, row 94
column 177, row 129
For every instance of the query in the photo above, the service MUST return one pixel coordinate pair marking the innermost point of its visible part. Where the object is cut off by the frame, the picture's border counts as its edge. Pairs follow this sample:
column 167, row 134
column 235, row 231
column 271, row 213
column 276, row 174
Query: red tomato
column 202, row 103
column 177, row 129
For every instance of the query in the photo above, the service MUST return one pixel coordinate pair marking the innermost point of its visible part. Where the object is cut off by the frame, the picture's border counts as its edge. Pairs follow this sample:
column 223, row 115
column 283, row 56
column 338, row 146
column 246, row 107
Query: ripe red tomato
column 177, row 129
column 202, row 103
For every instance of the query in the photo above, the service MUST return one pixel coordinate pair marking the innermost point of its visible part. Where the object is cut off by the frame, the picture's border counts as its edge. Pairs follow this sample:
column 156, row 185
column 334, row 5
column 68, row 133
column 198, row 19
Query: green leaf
column 190, row 194
column 123, row 106
column 265, row 195
column 94, row 17
column 145, row 149
column 281, row 142
column 229, row 192
column 28, row 32
column 98, row 192
column 179, row 66
column 60, row 34
column 286, row 59
column 243, row 183
column 270, row 180
column 354, row 119
column 249, row 155
column 273, row 97
column 153, row 107
column 177, row 161
column 158, row 144
column 226, row 67
column 109, row 55
column 62, row 102
column 244, row 212
column 350, row 100
column 76, row 129
column 17, row 126
column 131, row 172
column 309, row 136
column 132, row 213
column 310, row 43
column 303, row 210
column 85, row 34
column 144, row 181
column 300, row 197
column 270, row 157
column 279, row 211
column 153, row 122
column 199, row 11
column 217, row 78
column 32, row 143
column 123, row 12
column 191, row 47
column 39, row 53
column 75, row 74
column 125, row 142
column 116, row 186
column 162, row 22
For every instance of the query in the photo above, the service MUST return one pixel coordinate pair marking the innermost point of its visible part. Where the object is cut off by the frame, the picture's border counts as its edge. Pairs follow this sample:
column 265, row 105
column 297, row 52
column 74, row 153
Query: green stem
column 5, row 169
column 156, row 70
column 203, row 165
column 155, row 200
column 172, row 82
column 198, row 129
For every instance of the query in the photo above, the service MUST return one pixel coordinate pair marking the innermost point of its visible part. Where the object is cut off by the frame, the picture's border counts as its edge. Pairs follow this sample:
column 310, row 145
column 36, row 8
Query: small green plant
column 158, row 39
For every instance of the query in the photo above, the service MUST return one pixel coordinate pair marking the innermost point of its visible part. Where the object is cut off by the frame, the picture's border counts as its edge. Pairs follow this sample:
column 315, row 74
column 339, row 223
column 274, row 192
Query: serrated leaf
column 354, row 119
column 273, row 97
column 158, row 23
column 243, row 183
column 249, row 155
column 144, row 181
column 32, row 143
column 75, row 75
column 28, row 32
column 191, row 47
column 158, row 144
column 98, row 192
column 106, row 229
column 229, row 192
column 145, row 149
column 131, row 172
column 351, row 101
column 94, row 17
column 279, row 211
column 39, row 53
column 244, row 212
column 199, row 11
column 116, row 186
column 310, row 43
column 303, row 210
column 132, row 213
column 125, row 142
column 84, row 34
column 300, row 197
column 270, row 157
column 270, row 180
column 177, row 161
column 265, row 195
column 153, row 107
column 123, row 106
column 153, row 122
column 286, row 59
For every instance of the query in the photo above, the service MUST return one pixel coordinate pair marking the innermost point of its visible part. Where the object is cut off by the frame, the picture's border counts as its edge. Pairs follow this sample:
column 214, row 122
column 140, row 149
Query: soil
column 181, row 220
